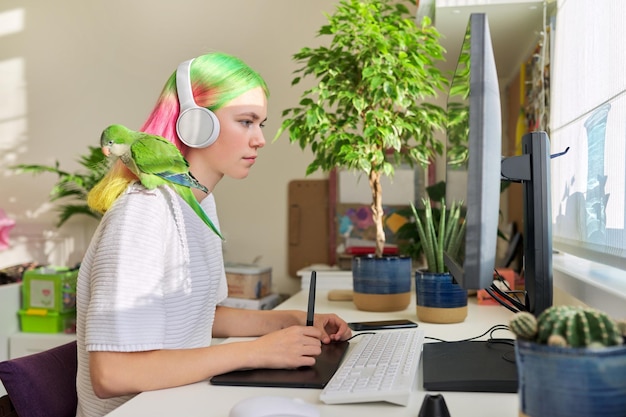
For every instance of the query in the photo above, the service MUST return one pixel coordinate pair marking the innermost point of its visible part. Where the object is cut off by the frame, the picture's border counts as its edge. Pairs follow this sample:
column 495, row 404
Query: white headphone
column 197, row 127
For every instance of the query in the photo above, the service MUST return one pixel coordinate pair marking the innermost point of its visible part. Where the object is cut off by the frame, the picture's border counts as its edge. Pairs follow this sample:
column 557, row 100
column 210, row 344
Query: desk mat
column 316, row 376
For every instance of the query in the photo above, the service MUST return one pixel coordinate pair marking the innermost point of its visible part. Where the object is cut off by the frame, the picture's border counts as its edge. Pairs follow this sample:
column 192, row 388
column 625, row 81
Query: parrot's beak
column 106, row 151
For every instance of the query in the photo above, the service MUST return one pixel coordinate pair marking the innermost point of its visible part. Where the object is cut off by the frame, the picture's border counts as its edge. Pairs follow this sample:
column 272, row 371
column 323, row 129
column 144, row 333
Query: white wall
column 69, row 68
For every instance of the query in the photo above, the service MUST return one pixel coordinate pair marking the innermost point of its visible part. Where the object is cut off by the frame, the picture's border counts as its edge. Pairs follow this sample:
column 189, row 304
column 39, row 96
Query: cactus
column 557, row 340
column 568, row 326
column 524, row 325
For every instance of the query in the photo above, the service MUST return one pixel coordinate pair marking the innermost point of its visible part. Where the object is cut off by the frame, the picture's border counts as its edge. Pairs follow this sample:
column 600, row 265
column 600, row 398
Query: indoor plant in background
column 369, row 112
column 439, row 299
column 571, row 362
column 72, row 188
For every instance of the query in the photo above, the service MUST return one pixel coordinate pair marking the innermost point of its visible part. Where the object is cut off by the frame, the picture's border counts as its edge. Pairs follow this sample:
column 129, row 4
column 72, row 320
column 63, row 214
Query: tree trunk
column 377, row 211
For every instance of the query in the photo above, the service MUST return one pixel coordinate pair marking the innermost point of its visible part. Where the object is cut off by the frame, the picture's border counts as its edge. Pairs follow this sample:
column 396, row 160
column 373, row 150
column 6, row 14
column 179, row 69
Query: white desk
column 203, row 399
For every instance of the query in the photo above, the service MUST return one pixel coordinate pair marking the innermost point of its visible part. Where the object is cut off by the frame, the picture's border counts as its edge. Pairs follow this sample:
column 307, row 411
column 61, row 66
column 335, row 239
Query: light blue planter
column 571, row 382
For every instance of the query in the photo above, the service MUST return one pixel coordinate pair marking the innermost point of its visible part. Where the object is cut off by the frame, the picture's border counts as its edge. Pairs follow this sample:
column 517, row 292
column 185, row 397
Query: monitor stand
column 470, row 366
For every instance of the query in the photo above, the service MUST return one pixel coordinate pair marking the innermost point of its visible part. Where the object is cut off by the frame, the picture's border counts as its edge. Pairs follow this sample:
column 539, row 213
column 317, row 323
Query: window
column 588, row 115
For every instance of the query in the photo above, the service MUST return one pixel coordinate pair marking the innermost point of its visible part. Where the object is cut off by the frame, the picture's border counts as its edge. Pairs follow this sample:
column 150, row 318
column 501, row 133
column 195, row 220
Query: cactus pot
column 571, row 382
column 381, row 284
column 439, row 299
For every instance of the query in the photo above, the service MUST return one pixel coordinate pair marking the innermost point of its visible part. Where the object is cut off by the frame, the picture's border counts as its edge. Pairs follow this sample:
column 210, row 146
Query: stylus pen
column 310, row 312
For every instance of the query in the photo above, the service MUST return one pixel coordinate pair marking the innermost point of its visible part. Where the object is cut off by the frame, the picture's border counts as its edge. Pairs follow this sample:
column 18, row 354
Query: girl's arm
column 122, row 373
column 235, row 322
column 284, row 343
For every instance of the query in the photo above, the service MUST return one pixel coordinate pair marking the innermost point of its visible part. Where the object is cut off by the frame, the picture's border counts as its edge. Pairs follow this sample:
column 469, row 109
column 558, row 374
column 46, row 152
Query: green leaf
column 72, row 188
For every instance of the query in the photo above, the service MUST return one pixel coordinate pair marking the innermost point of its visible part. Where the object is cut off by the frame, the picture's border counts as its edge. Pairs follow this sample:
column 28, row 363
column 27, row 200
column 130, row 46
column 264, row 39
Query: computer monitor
column 473, row 161
column 475, row 157
column 475, row 142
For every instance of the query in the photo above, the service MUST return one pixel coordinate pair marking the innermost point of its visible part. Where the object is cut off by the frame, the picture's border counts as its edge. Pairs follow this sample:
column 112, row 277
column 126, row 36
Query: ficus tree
column 370, row 108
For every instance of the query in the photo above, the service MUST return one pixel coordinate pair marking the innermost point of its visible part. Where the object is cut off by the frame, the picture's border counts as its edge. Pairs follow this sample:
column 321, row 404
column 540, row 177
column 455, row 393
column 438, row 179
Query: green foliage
column 572, row 326
column 457, row 130
column 457, row 127
column 73, row 186
column 409, row 243
column 368, row 110
column 444, row 233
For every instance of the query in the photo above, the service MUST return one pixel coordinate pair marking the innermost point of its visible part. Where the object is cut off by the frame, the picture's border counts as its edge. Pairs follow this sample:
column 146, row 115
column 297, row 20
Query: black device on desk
column 363, row 326
column 316, row 376
column 484, row 367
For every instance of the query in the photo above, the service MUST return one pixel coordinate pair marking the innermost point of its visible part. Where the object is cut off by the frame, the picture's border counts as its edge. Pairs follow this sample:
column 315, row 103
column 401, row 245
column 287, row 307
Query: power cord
column 359, row 334
column 509, row 298
column 508, row 356
column 489, row 332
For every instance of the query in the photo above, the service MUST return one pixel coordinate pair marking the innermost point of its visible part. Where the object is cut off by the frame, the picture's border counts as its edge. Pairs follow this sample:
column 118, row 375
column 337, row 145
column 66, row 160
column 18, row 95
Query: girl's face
column 235, row 150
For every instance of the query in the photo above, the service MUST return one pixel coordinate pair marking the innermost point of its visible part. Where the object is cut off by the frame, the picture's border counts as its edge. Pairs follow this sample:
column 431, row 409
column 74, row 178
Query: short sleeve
column 126, row 309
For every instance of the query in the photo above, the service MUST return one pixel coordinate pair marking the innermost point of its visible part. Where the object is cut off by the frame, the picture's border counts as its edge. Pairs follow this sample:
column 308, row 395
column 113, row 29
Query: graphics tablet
column 477, row 366
column 316, row 376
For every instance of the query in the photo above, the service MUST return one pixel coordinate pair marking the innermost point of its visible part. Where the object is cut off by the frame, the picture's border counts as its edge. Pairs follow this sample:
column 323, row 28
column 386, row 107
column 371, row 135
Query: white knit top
column 150, row 279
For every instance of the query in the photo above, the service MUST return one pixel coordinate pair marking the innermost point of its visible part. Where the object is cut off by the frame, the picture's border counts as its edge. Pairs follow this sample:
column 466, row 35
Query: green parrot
column 155, row 161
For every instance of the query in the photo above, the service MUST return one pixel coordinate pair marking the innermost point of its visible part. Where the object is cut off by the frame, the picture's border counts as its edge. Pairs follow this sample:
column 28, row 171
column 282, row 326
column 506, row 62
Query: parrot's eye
column 110, row 143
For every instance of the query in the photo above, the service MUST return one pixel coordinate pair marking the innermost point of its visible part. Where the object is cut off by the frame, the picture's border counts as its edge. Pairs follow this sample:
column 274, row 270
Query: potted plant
column 439, row 299
column 571, row 362
column 73, row 187
column 369, row 109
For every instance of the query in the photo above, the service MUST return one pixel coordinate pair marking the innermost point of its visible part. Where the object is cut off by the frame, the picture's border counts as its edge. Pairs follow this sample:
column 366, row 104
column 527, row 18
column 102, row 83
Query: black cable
column 491, row 340
column 505, row 299
column 504, row 282
column 493, row 295
column 517, row 304
column 506, row 356
column 509, row 357
column 358, row 334
column 489, row 332
column 499, row 301
column 497, row 327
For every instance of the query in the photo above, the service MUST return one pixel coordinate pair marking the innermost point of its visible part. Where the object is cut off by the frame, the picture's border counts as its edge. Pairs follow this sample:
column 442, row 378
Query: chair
column 6, row 407
column 42, row 384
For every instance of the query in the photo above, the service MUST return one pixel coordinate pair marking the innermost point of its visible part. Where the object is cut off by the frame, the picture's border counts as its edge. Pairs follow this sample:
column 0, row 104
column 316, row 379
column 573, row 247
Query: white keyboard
column 381, row 367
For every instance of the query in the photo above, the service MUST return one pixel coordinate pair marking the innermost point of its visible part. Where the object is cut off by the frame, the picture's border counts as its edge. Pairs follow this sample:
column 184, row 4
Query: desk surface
column 204, row 399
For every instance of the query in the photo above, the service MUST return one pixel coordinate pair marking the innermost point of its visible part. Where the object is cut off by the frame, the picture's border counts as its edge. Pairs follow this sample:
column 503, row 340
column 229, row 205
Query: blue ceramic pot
column 571, row 382
column 439, row 299
column 381, row 284
column 438, row 290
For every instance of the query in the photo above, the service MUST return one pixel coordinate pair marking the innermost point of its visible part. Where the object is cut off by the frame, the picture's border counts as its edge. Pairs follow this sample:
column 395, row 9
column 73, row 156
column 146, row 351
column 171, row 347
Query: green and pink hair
column 216, row 79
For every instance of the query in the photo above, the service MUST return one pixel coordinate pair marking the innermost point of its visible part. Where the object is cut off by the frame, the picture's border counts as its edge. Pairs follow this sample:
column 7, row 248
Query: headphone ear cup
column 197, row 127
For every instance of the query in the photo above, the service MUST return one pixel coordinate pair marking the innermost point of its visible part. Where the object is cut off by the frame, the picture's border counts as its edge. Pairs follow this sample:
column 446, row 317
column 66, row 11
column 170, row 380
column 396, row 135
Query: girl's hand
column 332, row 327
column 292, row 347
